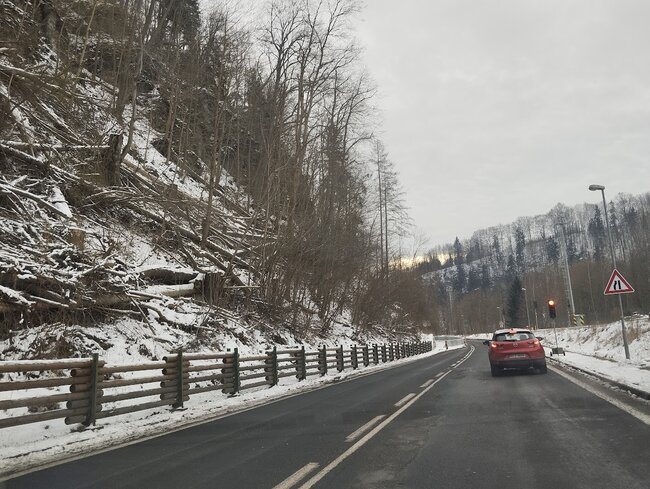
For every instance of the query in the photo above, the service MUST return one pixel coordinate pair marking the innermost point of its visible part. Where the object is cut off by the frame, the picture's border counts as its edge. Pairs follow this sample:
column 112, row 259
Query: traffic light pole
column 552, row 315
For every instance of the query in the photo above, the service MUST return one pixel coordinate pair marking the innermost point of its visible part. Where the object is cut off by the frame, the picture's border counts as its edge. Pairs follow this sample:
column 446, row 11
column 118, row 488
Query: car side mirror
column 486, row 342
column 540, row 338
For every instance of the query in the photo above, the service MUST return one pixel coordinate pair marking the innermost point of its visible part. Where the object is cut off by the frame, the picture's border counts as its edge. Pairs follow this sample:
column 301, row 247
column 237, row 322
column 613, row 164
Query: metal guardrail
column 96, row 390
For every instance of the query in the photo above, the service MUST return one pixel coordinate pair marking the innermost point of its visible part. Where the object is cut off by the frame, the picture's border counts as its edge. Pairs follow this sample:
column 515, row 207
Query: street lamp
column 526, row 301
column 593, row 188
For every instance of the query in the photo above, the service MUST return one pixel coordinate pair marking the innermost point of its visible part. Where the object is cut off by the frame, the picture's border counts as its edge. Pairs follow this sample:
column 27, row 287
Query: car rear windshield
column 518, row 336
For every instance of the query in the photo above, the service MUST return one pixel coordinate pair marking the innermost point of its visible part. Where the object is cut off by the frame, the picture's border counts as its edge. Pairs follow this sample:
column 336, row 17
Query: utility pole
column 451, row 311
column 567, row 275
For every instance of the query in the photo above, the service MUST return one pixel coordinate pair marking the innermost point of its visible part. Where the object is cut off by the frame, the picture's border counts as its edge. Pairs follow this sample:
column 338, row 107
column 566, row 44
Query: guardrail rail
column 82, row 391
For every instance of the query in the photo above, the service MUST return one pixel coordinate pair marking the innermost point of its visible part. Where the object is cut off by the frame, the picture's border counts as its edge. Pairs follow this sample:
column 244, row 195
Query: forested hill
column 177, row 167
column 479, row 281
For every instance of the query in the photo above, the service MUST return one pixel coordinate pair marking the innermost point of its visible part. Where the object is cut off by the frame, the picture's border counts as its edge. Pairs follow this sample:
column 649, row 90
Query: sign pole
column 627, row 348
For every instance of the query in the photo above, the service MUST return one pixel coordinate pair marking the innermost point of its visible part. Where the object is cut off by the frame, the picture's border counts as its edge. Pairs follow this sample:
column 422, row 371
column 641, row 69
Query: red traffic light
column 551, row 308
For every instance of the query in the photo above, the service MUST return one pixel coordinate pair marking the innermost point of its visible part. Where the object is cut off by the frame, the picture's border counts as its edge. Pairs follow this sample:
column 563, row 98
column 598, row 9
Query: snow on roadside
column 24, row 447
column 626, row 374
column 599, row 349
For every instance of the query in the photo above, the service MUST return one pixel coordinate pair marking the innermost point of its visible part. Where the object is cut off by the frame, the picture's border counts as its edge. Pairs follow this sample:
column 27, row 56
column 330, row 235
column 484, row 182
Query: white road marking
column 337, row 461
column 439, row 374
column 353, row 436
column 405, row 399
column 429, row 382
column 621, row 405
column 297, row 476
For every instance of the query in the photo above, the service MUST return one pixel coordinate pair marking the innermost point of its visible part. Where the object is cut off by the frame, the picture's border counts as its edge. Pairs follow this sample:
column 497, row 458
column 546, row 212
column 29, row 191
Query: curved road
column 441, row 421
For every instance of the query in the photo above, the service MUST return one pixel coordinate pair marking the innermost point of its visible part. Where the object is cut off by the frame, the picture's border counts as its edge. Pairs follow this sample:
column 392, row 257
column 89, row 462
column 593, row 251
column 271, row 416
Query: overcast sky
column 496, row 109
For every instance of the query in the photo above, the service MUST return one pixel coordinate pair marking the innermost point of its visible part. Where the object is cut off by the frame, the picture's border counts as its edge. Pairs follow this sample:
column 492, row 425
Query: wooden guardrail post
column 322, row 360
column 353, row 357
column 235, row 369
column 366, row 357
column 391, row 352
column 272, row 366
column 375, row 353
column 179, row 380
column 92, row 400
column 340, row 365
column 225, row 375
column 302, row 374
column 231, row 373
column 383, row 353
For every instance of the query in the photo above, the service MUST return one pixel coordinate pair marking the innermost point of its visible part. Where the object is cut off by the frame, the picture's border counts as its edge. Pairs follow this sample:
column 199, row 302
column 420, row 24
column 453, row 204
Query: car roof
column 512, row 330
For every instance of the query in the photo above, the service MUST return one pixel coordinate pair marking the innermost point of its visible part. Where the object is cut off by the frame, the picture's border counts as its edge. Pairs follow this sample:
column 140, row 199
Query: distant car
column 515, row 348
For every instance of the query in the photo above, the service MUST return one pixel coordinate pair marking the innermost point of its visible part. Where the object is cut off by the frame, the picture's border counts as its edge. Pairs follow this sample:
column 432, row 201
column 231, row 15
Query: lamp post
column 594, row 188
column 526, row 301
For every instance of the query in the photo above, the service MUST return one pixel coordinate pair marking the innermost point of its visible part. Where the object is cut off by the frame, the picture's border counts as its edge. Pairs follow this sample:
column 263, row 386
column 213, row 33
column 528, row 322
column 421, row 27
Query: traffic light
column 551, row 309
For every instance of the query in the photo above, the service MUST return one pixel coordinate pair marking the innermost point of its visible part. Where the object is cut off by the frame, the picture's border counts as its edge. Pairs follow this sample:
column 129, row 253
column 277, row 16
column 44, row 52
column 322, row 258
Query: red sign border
column 616, row 274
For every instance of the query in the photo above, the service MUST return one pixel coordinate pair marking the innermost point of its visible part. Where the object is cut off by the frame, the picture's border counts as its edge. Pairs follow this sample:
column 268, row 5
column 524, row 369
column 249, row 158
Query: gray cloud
column 497, row 109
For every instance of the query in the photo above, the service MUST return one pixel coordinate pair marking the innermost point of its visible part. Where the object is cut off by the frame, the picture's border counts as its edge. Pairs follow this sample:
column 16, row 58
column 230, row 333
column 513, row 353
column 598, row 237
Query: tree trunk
column 113, row 160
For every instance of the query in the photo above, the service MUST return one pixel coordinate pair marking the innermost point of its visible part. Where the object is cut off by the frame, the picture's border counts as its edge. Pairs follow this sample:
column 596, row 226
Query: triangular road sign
column 618, row 285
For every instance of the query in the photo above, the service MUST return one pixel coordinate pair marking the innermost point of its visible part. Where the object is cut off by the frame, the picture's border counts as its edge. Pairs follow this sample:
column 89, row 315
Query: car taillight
column 535, row 342
column 493, row 344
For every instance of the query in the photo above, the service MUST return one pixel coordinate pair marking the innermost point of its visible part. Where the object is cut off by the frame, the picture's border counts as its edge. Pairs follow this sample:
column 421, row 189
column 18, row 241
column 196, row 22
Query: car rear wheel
column 495, row 370
column 543, row 369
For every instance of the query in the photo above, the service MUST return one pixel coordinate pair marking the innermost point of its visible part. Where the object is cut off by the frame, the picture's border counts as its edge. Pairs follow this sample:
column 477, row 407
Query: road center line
column 353, row 436
column 621, row 405
column 337, row 461
column 429, row 382
column 405, row 399
column 297, row 476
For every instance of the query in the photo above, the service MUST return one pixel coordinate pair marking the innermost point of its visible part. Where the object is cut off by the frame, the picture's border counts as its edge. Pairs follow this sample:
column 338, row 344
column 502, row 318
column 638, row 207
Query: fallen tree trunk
column 53, row 147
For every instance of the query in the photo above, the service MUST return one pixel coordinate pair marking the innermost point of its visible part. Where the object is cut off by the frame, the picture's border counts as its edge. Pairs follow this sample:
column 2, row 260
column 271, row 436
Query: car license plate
column 518, row 355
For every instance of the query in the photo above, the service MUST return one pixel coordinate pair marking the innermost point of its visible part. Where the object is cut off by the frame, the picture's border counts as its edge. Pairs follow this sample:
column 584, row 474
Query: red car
column 515, row 348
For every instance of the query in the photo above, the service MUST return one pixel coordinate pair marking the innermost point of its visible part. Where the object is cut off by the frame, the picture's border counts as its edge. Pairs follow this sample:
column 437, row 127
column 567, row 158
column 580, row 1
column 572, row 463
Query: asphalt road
column 431, row 423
